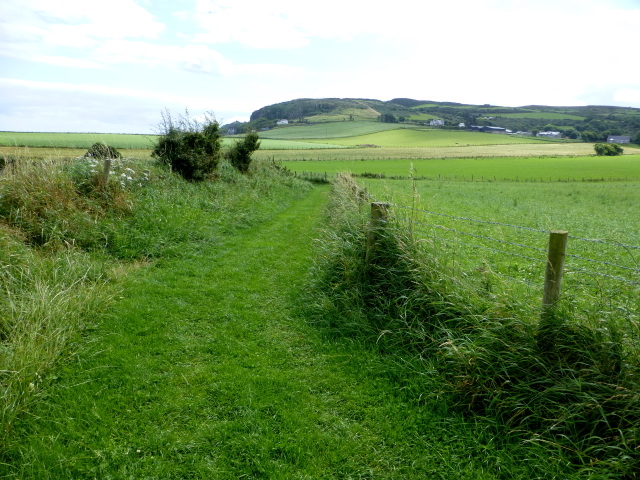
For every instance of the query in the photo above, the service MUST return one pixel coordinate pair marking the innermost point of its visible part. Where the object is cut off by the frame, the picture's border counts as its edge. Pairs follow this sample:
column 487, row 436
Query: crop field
column 408, row 153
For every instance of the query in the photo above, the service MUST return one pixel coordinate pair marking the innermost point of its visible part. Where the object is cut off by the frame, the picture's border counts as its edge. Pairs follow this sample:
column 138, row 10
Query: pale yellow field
column 514, row 150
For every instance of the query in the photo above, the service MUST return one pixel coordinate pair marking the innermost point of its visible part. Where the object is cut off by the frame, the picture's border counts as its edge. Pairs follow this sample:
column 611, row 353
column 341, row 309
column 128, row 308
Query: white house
column 436, row 123
column 284, row 121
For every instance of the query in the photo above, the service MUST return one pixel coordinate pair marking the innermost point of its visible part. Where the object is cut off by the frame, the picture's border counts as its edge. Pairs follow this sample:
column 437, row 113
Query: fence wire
column 486, row 240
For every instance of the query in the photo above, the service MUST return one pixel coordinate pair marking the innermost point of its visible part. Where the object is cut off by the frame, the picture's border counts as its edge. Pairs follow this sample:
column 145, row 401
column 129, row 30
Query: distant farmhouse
column 436, row 122
column 485, row 129
column 284, row 121
column 618, row 139
column 549, row 134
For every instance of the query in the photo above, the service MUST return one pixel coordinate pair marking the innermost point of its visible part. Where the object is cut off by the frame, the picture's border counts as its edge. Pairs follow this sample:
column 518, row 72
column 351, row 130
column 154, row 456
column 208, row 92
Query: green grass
column 487, row 169
column 327, row 130
column 204, row 369
column 274, row 144
column 555, row 381
column 414, row 137
column 542, row 116
column 76, row 140
column 423, row 117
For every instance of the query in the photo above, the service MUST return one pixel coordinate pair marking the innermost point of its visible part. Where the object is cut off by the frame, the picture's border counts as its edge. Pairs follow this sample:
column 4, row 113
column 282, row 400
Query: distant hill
column 592, row 123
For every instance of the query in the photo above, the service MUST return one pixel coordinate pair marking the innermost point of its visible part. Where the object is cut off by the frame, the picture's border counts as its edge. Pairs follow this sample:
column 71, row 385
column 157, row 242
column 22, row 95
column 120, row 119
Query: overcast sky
column 113, row 66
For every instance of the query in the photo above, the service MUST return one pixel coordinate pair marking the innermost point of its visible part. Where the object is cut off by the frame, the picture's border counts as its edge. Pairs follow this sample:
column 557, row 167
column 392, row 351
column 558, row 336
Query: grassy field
column 414, row 137
column 455, row 275
column 328, row 130
column 76, row 140
column 487, row 169
column 542, row 115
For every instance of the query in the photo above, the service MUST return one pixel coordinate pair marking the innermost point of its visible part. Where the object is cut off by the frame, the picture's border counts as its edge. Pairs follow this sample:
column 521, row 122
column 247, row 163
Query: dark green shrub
column 240, row 154
column 608, row 149
column 101, row 151
column 191, row 149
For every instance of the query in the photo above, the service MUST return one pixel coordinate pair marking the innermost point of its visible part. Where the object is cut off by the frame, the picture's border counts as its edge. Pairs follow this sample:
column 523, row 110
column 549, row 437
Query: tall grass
column 569, row 384
column 46, row 299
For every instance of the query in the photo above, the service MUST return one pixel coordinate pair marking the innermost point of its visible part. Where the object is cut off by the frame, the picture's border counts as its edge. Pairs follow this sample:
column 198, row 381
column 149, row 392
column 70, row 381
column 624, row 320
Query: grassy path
column 203, row 371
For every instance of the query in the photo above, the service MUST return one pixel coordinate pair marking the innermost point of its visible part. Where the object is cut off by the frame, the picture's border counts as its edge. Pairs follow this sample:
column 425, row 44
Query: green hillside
column 593, row 123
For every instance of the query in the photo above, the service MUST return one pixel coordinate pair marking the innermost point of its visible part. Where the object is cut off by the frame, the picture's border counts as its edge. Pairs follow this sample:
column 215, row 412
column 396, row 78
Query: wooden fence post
column 555, row 265
column 104, row 180
column 378, row 219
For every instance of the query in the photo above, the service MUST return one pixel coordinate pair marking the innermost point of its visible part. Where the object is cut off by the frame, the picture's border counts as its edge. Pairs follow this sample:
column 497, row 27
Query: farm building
column 549, row 134
column 436, row 122
column 618, row 139
column 485, row 129
column 284, row 121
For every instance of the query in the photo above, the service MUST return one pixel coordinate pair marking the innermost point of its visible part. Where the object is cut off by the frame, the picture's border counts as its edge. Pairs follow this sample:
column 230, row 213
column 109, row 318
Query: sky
column 114, row 67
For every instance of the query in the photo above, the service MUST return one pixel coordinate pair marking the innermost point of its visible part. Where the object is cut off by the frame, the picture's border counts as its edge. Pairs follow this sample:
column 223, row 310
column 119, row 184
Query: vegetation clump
column 239, row 155
column 190, row 147
column 608, row 149
column 102, row 151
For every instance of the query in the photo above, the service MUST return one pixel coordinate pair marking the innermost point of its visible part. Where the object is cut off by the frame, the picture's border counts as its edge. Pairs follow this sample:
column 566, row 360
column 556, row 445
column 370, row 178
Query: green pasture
column 277, row 144
column 345, row 114
column 76, row 140
column 82, row 141
column 601, row 218
column 422, row 117
column 592, row 210
column 587, row 168
column 424, row 137
column 328, row 130
column 542, row 116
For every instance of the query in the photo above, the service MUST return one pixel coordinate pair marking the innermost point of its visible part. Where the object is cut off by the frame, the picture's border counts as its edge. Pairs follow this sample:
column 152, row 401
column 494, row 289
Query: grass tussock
column 561, row 382
column 46, row 299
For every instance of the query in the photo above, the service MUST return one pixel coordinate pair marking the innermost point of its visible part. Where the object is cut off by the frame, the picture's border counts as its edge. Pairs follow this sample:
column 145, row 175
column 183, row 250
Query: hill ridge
column 593, row 122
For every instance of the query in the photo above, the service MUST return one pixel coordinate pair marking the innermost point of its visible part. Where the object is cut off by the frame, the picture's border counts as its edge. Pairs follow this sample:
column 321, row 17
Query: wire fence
column 519, row 253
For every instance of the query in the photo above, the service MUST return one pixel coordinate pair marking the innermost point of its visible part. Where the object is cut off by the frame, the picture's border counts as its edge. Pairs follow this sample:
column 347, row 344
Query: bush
column 608, row 149
column 240, row 154
column 101, row 151
column 191, row 148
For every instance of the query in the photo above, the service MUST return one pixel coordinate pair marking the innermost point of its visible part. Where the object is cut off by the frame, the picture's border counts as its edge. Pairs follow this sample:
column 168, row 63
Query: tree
column 608, row 149
column 190, row 147
column 239, row 154
column 589, row 136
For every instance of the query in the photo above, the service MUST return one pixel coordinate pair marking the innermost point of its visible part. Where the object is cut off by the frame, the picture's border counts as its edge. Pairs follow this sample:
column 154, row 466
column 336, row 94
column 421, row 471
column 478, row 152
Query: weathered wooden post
column 379, row 212
column 555, row 266
column 104, row 179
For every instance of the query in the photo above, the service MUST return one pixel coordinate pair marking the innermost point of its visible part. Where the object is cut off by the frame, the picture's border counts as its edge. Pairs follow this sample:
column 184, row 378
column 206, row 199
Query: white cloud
column 72, row 22
column 630, row 96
